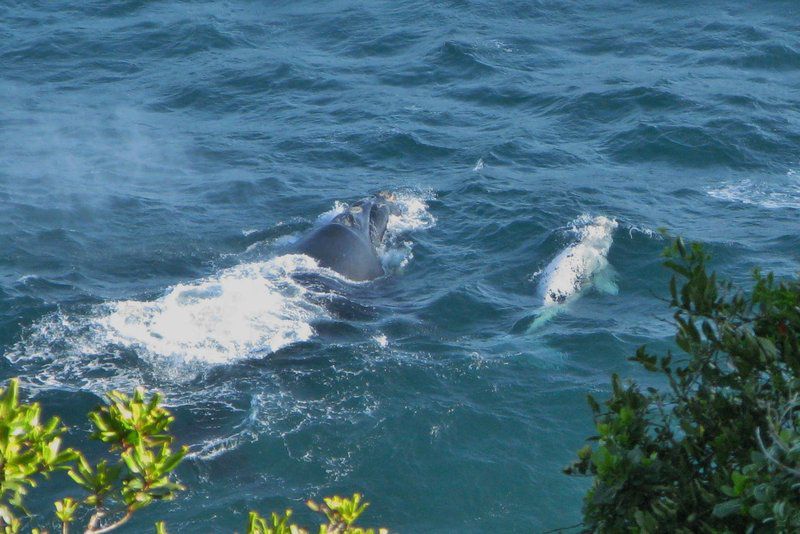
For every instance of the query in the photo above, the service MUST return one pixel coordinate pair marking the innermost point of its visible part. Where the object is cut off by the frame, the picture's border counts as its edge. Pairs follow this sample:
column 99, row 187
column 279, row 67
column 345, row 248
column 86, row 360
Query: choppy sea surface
column 157, row 157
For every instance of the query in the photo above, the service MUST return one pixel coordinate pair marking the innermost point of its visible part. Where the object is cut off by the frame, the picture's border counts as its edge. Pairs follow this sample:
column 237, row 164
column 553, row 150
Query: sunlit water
column 158, row 158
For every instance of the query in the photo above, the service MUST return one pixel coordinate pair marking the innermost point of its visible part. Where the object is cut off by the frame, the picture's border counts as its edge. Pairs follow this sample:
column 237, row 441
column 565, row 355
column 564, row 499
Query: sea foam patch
column 235, row 313
column 411, row 215
column 244, row 311
column 766, row 195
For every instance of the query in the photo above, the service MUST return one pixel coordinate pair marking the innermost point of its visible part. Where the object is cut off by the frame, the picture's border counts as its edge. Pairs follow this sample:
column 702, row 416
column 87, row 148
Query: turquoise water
column 157, row 158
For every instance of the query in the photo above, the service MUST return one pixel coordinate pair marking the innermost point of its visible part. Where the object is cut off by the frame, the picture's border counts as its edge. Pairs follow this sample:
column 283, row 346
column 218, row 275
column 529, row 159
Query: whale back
column 348, row 243
column 340, row 248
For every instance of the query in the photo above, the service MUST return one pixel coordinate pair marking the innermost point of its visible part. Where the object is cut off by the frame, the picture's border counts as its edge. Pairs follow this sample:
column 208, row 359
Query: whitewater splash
column 765, row 195
column 235, row 313
column 243, row 311
column 579, row 266
column 248, row 310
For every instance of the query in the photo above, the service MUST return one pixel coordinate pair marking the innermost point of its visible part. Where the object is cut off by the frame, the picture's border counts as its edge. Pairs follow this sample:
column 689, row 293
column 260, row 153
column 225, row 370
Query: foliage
column 339, row 512
column 137, row 430
column 717, row 449
column 137, row 472
column 28, row 450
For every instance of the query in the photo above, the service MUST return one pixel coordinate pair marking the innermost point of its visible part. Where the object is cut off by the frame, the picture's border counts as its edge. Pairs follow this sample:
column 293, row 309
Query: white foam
column 411, row 215
column 250, row 309
column 396, row 256
column 247, row 308
column 500, row 45
column 761, row 194
column 327, row 216
column 575, row 267
column 381, row 340
column 645, row 231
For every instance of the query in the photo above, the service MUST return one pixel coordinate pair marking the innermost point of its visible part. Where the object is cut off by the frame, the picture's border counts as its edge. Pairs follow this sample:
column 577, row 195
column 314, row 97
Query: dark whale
column 347, row 244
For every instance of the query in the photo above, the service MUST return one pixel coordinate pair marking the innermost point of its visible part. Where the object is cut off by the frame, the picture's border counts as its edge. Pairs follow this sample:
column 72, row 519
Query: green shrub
column 340, row 514
column 718, row 448
column 137, row 472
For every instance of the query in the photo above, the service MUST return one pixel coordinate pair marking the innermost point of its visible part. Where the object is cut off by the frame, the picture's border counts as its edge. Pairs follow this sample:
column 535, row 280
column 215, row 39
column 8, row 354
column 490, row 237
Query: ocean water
column 157, row 157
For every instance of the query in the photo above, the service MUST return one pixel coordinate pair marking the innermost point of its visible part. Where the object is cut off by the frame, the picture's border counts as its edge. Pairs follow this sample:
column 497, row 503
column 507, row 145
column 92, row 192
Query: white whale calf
column 582, row 265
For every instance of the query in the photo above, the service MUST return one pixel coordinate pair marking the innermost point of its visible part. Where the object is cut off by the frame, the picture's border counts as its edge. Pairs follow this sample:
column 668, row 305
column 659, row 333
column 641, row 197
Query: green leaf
column 727, row 508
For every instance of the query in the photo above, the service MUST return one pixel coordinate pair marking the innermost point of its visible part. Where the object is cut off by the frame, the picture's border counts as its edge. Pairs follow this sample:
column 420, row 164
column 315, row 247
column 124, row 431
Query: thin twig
column 95, row 518
column 771, row 458
column 112, row 526
column 563, row 529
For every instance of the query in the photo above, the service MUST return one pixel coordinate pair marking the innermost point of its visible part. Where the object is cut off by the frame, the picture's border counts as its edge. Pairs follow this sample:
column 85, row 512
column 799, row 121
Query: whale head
column 370, row 216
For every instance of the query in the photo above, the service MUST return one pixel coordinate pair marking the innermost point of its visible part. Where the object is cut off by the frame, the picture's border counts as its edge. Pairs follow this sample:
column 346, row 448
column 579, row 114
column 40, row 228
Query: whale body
column 348, row 243
column 580, row 266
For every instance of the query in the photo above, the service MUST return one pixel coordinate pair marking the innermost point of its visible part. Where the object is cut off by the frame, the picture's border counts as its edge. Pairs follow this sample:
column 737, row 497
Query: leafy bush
column 717, row 449
column 339, row 512
column 137, row 472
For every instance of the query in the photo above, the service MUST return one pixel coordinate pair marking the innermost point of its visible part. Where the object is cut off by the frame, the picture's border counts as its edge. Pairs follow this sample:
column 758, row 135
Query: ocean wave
column 691, row 146
column 487, row 94
column 616, row 104
column 394, row 43
column 394, row 143
column 763, row 194
column 448, row 61
column 277, row 78
column 766, row 57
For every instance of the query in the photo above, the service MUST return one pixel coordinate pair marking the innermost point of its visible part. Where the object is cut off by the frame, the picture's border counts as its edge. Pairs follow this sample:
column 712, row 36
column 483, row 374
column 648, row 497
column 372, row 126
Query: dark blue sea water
column 156, row 157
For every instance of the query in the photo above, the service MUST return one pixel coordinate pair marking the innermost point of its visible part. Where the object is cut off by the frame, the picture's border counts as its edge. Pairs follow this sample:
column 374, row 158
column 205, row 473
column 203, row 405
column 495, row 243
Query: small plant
column 29, row 450
column 137, row 472
column 339, row 512
column 277, row 524
column 136, row 429
column 718, row 449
